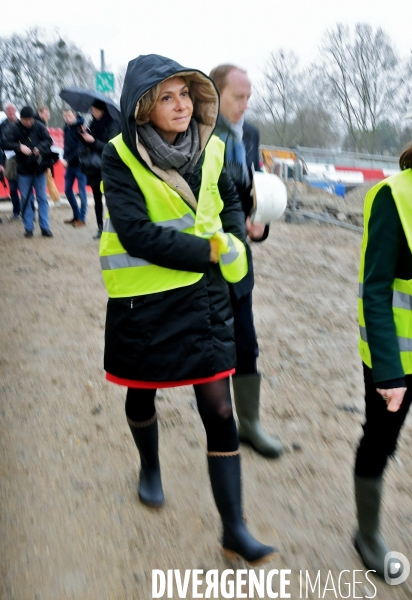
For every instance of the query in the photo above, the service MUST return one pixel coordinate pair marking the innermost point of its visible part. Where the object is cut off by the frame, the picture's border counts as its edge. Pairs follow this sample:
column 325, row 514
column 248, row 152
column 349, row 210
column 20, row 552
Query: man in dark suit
column 241, row 159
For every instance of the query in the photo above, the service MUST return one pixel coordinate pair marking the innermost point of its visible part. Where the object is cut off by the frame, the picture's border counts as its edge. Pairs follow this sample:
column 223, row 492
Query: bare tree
column 120, row 75
column 362, row 79
column 278, row 93
column 314, row 127
column 287, row 110
column 405, row 97
column 34, row 69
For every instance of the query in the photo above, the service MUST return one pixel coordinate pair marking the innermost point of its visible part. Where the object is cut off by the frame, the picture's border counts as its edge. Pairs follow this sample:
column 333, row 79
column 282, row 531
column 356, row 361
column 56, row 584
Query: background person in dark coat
column 43, row 115
column 6, row 128
column 183, row 335
column 2, row 163
column 31, row 142
column 241, row 157
column 102, row 128
column 72, row 142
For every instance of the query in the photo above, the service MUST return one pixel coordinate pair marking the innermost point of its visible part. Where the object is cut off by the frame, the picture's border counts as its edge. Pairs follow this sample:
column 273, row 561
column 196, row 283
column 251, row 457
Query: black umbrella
column 81, row 99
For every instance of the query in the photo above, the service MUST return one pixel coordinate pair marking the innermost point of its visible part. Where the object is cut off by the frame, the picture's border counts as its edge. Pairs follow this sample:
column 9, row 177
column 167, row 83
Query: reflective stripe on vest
column 399, row 299
column 405, row 344
column 126, row 276
column 401, row 185
column 231, row 254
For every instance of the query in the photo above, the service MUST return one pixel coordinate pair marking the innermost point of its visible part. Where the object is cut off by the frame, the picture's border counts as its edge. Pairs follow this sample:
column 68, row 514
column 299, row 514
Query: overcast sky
column 204, row 34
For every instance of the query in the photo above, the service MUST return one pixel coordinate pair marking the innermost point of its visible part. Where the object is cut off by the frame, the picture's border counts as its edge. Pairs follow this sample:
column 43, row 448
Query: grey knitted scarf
column 182, row 155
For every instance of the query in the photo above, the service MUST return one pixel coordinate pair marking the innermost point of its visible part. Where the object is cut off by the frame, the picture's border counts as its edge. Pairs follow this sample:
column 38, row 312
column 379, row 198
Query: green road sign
column 104, row 81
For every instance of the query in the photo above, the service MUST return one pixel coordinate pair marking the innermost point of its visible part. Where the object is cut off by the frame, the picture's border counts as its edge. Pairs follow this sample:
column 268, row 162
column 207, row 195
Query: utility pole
column 102, row 65
column 104, row 80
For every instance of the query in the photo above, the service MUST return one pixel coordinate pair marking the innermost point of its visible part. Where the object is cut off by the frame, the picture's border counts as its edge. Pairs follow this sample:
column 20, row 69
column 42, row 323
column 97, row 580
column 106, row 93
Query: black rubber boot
column 246, row 392
column 146, row 437
column 225, row 477
column 368, row 539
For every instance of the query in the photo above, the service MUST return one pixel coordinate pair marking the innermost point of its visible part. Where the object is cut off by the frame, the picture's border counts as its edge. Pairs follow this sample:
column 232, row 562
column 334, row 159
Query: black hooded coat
column 102, row 130
column 185, row 333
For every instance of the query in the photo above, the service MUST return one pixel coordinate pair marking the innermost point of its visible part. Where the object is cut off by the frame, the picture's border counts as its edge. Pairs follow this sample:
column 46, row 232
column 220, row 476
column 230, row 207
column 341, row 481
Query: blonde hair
column 148, row 100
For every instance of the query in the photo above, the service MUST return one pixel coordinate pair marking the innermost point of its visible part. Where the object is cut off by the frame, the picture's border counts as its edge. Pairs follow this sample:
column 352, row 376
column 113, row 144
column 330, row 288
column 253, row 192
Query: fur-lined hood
column 144, row 72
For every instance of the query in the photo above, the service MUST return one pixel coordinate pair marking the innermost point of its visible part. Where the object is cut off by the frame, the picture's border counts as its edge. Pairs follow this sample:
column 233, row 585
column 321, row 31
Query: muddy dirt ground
column 71, row 526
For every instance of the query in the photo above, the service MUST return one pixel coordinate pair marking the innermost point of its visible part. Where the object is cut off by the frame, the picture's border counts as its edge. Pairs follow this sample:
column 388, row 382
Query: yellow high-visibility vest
column 401, row 187
column 125, row 275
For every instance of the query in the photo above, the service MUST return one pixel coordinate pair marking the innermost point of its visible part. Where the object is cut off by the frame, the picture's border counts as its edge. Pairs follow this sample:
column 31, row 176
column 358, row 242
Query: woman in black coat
column 183, row 335
column 102, row 128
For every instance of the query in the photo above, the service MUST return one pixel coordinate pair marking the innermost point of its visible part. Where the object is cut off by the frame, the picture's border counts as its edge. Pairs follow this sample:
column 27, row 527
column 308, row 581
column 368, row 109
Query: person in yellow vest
column 168, row 248
column 385, row 344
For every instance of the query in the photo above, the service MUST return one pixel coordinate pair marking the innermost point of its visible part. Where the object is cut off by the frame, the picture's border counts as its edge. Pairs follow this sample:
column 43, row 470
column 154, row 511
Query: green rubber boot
column 246, row 390
column 368, row 539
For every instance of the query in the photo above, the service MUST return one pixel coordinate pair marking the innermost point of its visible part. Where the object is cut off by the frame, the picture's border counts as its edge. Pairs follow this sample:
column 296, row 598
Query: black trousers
column 380, row 430
column 247, row 349
column 98, row 204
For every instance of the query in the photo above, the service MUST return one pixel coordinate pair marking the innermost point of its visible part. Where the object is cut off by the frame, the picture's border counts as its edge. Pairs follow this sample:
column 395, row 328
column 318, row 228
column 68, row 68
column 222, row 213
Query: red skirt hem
column 150, row 385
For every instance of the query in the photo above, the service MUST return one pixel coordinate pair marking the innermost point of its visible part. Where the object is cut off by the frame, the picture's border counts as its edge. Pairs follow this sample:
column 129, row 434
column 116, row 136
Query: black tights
column 215, row 409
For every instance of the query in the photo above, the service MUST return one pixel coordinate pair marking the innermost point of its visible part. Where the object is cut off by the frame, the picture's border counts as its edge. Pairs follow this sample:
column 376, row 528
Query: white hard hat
column 269, row 197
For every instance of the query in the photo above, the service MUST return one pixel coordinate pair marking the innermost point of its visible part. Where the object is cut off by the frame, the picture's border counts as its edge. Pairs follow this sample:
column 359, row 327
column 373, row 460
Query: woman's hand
column 254, row 230
column 393, row 397
column 214, row 250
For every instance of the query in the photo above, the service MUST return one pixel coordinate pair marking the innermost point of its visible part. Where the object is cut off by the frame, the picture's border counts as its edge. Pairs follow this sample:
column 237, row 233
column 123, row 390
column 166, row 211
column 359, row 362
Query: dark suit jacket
column 251, row 142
